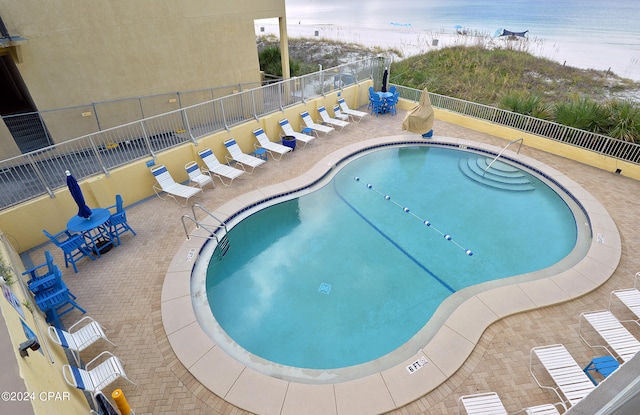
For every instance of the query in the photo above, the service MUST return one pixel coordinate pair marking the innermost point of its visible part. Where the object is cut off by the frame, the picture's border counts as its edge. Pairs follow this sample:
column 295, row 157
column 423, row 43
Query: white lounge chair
column 167, row 185
column 572, row 384
column 630, row 297
column 93, row 379
column 287, row 129
column 306, row 118
column 620, row 343
column 332, row 122
column 488, row 403
column 79, row 336
column 243, row 159
column 337, row 113
column 354, row 114
column 276, row 150
column 219, row 170
column 197, row 176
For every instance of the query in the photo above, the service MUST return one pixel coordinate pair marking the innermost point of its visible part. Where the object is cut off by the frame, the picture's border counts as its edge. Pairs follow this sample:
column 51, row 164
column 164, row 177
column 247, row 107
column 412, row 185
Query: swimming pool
column 360, row 292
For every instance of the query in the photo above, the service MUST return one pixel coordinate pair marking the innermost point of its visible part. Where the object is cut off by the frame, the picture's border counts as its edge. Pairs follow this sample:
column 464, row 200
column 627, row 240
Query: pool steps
column 500, row 175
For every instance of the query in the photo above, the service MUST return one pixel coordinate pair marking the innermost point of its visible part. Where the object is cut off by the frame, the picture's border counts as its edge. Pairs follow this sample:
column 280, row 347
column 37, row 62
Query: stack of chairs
column 50, row 292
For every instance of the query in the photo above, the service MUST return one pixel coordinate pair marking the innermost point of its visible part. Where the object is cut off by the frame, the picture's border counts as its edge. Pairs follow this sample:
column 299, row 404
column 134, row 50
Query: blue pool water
column 345, row 275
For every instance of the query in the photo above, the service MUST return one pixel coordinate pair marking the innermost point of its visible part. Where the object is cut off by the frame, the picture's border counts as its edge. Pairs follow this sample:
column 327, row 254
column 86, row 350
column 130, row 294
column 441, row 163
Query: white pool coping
column 395, row 387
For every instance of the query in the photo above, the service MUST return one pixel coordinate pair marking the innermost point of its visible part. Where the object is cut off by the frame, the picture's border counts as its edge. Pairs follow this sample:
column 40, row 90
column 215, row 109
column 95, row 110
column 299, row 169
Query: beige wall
column 77, row 51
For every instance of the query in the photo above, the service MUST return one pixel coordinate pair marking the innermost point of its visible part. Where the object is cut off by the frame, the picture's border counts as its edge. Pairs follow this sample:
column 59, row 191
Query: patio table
column 94, row 230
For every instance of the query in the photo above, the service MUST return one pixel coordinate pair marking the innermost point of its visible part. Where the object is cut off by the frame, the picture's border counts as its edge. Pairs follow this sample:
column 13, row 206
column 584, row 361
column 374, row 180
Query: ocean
column 583, row 33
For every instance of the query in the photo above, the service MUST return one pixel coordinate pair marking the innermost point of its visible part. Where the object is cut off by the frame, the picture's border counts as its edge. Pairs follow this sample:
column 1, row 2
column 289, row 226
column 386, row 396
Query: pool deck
column 140, row 292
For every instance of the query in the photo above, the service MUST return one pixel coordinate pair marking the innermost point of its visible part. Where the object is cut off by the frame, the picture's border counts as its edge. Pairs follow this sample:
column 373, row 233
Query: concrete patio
column 123, row 289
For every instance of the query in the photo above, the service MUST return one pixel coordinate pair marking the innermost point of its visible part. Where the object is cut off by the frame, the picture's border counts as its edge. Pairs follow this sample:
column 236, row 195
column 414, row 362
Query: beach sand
column 622, row 60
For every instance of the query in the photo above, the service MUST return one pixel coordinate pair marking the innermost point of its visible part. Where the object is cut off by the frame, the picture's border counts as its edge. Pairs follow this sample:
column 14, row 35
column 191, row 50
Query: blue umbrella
column 76, row 192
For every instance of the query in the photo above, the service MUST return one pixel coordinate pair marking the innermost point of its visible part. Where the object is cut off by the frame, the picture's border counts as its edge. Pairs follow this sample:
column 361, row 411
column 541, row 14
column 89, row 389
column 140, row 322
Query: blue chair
column 39, row 276
column 73, row 246
column 377, row 105
column 372, row 93
column 118, row 221
column 391, row 102
column 56, row 300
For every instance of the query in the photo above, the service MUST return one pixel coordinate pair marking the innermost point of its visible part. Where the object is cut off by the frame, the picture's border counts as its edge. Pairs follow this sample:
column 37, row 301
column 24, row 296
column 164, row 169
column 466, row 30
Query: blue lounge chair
column 243, row 159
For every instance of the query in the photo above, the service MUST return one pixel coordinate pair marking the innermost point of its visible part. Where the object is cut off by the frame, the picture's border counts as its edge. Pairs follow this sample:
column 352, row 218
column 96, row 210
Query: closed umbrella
column 385, row 75
column 76, row 192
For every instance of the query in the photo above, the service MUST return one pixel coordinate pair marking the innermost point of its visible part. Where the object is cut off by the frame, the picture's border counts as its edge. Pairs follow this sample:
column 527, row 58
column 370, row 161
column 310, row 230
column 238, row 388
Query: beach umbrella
column 385, row 76
column 76, row 192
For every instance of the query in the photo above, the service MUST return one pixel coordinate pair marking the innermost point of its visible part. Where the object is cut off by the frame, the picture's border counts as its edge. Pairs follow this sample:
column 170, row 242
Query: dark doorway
column 18, row 110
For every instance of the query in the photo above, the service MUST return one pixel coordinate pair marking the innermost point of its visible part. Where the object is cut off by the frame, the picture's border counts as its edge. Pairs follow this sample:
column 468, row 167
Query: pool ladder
column 521, row 140
column 213, row 230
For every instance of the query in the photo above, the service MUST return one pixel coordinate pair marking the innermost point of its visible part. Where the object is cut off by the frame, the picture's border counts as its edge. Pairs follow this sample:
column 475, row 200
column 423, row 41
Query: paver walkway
column 122, row 290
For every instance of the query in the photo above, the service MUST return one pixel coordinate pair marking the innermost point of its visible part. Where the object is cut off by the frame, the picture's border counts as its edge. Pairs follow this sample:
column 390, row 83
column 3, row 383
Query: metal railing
column 521, row 140
column 598, row 143
column 41, row 171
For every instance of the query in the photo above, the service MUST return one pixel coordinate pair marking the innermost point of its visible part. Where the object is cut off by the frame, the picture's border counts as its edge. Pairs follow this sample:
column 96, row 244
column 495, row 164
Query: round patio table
column 94, row 230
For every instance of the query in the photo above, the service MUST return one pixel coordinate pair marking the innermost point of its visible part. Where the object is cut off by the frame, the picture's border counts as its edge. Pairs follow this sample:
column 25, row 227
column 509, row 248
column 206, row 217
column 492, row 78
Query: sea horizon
column 588, row 34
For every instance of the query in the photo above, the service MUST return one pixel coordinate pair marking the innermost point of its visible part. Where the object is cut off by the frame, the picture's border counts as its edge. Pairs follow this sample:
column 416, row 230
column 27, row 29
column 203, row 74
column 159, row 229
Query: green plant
column 5, row 273
column 526, row 104
column 583, row 114
column 28, row 305
column 270, row 62
column 625, row 121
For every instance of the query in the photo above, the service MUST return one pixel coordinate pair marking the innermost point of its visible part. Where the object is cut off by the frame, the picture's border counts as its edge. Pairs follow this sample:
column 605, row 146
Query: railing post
column 253, row 102
column 39, row 175
column 147, row 140
column 98, row 157
column 185, row 117
column 224, row 117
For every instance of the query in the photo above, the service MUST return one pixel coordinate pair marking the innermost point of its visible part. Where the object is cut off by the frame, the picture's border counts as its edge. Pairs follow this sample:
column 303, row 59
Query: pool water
column 350, row 272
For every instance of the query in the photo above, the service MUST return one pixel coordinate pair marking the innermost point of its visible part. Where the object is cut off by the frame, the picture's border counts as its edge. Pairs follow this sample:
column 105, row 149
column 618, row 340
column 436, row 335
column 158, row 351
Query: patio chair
column 629, row 297
column 337, row 113
column 72, row 245
column 79, row 336
column 287, row 129
column 219, row 170
column 572, row 384
column 316, row 128
column 197, row 176
column 390, row 103
column 56, row 300
column 118, row 223
column 331, row 122
column 166, row 184
column 354, row 114
column 377, row 105
column 39, row 276
column 244, row 160
column 488, row 403
column 99, row 373
column 276, row 150
column 620, row 343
